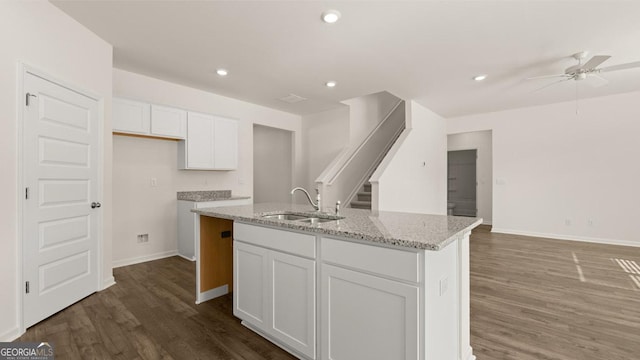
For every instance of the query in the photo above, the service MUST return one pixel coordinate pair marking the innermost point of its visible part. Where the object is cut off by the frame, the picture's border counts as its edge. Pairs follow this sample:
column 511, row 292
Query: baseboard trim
column 274, row 340
column 212, row 294
column 187, row 258
column 108, row 282
column 144, row 258
column 10, row 335
column 567, row 237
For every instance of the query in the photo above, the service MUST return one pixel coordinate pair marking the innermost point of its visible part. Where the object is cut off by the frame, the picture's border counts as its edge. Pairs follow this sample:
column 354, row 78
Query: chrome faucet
column 315, row 205
column 338, row 208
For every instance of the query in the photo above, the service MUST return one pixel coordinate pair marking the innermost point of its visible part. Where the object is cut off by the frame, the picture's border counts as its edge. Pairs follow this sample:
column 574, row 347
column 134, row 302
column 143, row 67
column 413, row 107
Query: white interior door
column 60, row 234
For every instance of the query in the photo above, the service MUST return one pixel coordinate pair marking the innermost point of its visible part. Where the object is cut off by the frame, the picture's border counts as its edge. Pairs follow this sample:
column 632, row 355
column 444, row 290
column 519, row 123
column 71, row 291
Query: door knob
column 95, row 205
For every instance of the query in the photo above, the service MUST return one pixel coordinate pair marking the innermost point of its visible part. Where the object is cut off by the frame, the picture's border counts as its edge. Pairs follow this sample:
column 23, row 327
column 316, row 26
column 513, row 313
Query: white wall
column 326, row 134
column 40, row 35
column 551, row 166
column 272, row 164
column 365, row 112
column 138, row 208
column 413, row 176
column 481, row 141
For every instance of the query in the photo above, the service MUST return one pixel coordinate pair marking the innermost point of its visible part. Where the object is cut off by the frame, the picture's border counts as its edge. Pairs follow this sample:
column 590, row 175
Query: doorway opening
column 462, row 183
column 272, row 164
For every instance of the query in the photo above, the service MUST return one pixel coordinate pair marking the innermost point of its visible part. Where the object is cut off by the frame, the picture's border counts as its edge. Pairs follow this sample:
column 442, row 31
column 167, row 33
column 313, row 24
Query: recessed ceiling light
column 331, row 84
column 480, row 77
column 330, row 16
column 222, row 72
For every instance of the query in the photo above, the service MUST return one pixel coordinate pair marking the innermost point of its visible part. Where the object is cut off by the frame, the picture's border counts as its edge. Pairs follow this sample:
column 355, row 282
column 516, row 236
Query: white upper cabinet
column 199, row 144
column 168, row 122
column 226, row 143
column 211, row 144
column 131, row 117
column 138, row 118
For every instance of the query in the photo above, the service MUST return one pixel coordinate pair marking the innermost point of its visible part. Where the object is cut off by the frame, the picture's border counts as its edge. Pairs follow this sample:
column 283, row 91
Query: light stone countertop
column 420, row 231
column 208, row 195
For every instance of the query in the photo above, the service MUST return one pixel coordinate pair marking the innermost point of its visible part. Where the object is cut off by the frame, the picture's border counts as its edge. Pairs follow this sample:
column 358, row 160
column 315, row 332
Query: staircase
column 346, row 179
column 363, row 198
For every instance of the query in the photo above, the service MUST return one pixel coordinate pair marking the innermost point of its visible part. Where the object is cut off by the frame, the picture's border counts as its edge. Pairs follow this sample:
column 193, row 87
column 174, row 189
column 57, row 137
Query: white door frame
column 22, row 70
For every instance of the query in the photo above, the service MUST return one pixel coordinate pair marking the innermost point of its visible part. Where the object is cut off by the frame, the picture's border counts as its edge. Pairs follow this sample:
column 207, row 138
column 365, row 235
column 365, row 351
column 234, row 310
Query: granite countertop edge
column 434, row 243
column 240, row 197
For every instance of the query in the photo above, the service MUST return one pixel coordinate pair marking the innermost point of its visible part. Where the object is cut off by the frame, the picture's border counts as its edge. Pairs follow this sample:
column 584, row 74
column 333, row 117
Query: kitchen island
column 363, row 285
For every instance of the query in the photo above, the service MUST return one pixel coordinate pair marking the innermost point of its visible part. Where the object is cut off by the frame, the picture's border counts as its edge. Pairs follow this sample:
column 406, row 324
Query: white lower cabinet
column 275, row 292
column 367, row 317
column 369, row 302
column 250, row 283
column 292, row 293
column 370, row 299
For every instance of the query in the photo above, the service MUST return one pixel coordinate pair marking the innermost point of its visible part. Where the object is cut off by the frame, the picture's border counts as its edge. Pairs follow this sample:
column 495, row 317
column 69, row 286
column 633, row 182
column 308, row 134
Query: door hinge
column 26, row 193
column 26, row 287
column 28, row 96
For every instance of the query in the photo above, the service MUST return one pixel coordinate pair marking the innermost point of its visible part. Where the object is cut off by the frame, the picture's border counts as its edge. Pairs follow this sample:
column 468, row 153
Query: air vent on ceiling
column 292, row 98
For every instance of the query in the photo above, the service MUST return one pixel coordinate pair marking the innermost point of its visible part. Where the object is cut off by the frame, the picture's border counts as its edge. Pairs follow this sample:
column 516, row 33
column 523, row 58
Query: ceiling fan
column 589, row 69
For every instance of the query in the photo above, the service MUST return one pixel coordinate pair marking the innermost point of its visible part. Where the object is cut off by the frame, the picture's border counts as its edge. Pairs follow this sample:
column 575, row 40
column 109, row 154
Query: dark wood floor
column 534, row 298
column 150, row 314
column 531, row 298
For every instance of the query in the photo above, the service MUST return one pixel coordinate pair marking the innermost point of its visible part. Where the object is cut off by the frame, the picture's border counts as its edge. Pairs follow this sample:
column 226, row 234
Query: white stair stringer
column 345, row 177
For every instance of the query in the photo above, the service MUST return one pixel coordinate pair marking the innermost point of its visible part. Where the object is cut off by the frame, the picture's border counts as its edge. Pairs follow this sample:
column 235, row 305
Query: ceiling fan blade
column 596, row 81
column 630, row 65
column 551, row 84
column 548, row 76
column 595, row 61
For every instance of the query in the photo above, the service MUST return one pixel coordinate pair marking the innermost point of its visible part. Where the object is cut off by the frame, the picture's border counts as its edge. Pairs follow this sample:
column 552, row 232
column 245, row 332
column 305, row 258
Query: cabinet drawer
column 285, row 241
column 398, row 264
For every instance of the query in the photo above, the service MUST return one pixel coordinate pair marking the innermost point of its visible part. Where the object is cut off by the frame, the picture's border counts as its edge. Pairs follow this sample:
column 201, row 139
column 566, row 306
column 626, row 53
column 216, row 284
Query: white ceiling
column 427, row 51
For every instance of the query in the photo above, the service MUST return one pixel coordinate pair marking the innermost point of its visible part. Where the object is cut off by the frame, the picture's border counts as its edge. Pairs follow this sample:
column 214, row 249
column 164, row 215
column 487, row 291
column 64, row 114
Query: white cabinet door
column 367, row 317
column 226, row 144
column 131, row 117
column 211, row 144
column 199, row 143
column 293, row 301
column 250, row 284
column 168, row 122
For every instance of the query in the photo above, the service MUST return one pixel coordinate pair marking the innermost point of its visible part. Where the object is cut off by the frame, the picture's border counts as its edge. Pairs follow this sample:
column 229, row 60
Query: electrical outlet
column 143, row 238
column 567, row 222
column 154, row 182
column 590, row 222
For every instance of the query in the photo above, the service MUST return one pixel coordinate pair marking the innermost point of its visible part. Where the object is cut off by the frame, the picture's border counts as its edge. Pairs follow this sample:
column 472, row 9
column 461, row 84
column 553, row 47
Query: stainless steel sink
column 285, row 216
column 313, row 218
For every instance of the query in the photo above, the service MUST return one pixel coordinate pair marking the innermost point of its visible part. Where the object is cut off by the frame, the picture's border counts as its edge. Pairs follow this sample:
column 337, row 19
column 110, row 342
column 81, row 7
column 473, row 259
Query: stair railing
column 342, row 179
